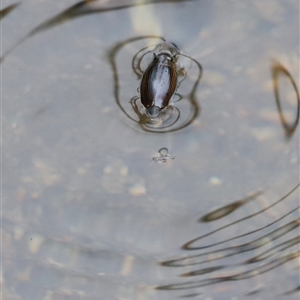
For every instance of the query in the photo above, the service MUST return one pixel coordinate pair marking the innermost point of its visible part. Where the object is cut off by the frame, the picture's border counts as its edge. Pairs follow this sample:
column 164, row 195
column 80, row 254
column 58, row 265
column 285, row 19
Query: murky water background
column 86, row 211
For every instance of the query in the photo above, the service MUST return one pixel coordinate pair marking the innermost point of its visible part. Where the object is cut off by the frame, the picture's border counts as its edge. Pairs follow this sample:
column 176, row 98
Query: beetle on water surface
column 161, row 70
column 160, row 79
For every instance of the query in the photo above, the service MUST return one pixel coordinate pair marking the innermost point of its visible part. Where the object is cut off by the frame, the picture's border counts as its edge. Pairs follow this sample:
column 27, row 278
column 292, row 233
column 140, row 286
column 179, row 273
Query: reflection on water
column 228, row 209
column 278, row 70
column 171, row 117
column 93, row 210
column 79, row 9
column 264, row 254
column 7, row 10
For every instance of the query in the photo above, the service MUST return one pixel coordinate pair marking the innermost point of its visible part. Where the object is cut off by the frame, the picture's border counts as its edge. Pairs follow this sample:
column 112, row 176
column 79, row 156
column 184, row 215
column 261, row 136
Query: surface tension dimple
column 164, row 156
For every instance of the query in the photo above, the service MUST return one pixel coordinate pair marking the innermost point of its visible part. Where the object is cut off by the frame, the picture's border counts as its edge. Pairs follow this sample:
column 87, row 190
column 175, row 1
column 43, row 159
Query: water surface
column 86, row 211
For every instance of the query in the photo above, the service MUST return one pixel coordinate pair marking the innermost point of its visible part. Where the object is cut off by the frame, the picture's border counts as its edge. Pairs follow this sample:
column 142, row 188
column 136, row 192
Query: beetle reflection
column 160, row 71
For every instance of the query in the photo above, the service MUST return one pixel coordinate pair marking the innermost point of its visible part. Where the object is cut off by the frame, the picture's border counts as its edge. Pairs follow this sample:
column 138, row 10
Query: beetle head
column 153, row 111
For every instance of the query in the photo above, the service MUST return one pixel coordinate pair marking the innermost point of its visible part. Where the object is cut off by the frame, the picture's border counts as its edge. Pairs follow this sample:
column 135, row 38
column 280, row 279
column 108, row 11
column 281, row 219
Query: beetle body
column 159, row 83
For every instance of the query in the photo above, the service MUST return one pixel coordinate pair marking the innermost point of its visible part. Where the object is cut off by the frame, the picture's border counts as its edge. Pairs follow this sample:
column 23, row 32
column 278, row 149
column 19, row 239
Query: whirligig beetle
column 160, row 79
column 160, row 76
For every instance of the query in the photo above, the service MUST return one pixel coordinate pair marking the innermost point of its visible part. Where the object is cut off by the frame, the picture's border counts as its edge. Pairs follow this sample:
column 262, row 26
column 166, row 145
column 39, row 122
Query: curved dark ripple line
column 281, row 247
column 277, row 70
column 260, row 263
column 240, row 248
column 239, row 276
column 228, row 209
column 80, row 9
column 187, row 246
column 4, row 12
